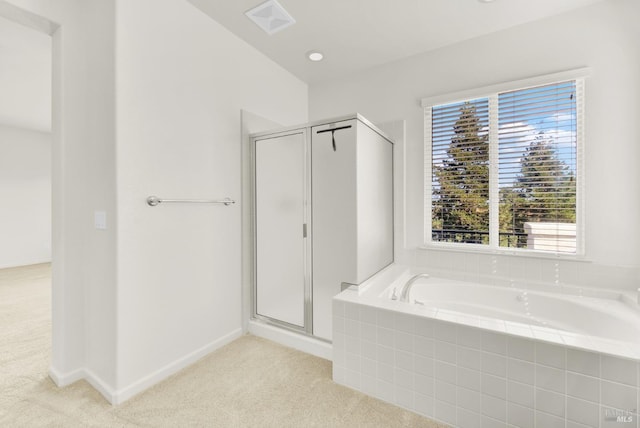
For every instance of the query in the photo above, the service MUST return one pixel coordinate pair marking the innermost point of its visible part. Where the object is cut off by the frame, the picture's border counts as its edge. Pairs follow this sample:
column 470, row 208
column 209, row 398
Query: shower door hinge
column 304, row 230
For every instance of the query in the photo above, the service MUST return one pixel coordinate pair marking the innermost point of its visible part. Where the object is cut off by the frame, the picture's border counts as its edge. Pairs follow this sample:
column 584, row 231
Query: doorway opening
column 27, row 147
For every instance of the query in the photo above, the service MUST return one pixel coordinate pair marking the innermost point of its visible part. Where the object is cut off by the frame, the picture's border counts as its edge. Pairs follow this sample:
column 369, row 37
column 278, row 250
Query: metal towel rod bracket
column 154, row 200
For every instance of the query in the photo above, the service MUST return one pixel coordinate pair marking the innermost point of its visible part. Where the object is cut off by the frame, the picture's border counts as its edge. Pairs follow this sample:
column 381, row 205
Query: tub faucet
column 404, row 291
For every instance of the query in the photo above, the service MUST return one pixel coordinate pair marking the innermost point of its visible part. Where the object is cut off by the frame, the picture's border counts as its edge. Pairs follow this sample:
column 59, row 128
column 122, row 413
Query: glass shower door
column 280, row 182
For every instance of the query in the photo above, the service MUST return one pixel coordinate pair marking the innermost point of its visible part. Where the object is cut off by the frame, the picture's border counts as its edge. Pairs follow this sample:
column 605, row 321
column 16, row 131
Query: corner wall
column 605, row 37
column 83, row 181
column 147, row 100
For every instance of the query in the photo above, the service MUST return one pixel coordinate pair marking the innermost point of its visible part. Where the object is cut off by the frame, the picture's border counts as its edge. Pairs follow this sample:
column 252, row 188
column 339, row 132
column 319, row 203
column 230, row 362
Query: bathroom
column 172, row 101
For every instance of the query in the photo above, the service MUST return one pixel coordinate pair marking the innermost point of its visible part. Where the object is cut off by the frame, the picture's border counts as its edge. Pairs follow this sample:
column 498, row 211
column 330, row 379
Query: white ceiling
column 25, row 77
column 353, row 34
column 358, row 34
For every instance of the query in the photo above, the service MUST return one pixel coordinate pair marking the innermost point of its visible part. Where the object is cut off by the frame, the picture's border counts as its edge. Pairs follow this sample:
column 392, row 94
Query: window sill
column 481, row 249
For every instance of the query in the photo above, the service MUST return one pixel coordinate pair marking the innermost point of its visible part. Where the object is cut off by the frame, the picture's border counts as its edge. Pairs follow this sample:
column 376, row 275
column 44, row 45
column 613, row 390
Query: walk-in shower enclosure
column 323, row 209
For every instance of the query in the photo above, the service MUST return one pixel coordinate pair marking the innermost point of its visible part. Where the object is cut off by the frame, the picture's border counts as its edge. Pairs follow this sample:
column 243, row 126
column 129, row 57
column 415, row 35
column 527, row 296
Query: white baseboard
column 66, row 379
column 123, row 394
column 98, row 384
column 63, row 379
column 24, row 263
column 293, row 340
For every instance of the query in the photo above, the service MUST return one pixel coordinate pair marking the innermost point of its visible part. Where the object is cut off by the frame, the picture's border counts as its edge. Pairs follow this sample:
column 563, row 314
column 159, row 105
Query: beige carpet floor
column 251, row 382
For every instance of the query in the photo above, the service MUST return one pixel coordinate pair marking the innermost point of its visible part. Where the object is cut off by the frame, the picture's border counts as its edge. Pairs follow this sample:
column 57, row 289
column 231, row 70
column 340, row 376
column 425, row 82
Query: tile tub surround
column 504, row 267
column 473, row 377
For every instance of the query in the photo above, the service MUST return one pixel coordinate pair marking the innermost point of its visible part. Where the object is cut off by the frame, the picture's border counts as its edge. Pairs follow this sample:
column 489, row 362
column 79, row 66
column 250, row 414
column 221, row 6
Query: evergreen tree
column 508, row 217
column 546, row 184
column 462, row 190
column 544, row 191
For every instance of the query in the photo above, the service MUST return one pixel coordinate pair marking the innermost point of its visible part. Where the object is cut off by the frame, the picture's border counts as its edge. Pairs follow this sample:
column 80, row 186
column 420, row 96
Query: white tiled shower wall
column 503, row 268
column 468, row 377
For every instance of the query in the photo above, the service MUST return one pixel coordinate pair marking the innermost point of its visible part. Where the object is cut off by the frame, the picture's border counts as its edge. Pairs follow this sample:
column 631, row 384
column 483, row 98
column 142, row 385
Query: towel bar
column 154, row 200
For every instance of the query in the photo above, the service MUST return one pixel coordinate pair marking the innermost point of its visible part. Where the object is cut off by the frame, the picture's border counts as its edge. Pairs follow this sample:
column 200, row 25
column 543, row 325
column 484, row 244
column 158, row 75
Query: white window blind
column 538, row 167
column 460, row 166
column 504, row 169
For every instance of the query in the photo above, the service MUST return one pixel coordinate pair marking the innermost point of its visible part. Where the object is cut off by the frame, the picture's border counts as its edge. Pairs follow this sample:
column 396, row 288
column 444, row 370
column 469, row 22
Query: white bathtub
column 479, row 355
column 608, row 316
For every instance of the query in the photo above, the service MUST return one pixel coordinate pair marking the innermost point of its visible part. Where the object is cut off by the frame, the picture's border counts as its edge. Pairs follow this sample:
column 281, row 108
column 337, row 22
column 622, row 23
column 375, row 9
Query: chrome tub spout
column 404, row 291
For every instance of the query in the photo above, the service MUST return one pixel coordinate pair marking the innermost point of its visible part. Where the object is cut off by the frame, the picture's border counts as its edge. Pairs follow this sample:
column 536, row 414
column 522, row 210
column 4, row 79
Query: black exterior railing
column 507, row 239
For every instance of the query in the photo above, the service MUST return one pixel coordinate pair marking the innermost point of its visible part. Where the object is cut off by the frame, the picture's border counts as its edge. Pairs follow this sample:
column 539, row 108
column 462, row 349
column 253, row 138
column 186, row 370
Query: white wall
column 160, row 286
column 182, row 81
column 25, row 77
column 83, row 174
column 604, row 37
column 25, row 192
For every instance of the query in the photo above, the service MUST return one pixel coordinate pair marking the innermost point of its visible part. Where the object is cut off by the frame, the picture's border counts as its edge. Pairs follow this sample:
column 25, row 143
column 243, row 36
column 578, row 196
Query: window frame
column 491, row 93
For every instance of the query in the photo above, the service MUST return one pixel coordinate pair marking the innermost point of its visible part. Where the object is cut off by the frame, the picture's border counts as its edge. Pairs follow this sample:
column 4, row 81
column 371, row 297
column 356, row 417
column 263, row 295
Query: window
column 502, row 170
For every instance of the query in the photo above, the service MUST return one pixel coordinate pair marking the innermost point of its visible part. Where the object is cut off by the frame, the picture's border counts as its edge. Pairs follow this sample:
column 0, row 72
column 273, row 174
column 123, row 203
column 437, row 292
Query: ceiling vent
column 270, row 16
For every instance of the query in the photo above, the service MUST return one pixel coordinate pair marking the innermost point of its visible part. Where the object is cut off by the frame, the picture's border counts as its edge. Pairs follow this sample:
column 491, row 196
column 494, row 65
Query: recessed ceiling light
column 315, row 56
column 485, row 1
column 270, row 16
